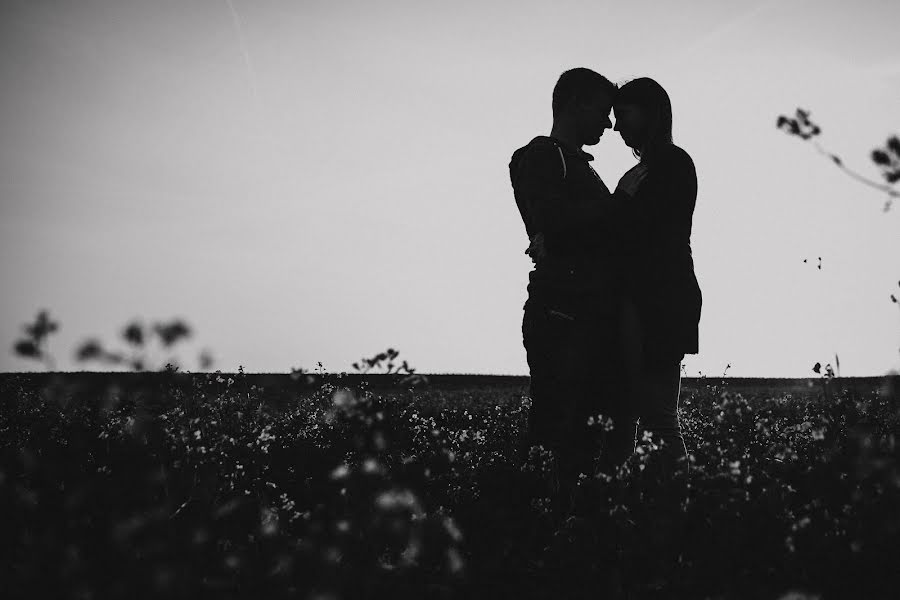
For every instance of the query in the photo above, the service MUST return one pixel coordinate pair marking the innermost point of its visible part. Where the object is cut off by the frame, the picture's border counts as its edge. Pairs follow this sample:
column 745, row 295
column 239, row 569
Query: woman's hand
column 536, row 250
column 632, row 179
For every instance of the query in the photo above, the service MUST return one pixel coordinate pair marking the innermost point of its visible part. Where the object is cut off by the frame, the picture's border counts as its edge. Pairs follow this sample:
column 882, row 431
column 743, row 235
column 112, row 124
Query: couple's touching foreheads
column 613, row 302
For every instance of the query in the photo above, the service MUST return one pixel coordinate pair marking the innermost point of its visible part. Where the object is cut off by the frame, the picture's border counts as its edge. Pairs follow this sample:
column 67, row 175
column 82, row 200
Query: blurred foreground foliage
column 198, row 486
column 137, row 335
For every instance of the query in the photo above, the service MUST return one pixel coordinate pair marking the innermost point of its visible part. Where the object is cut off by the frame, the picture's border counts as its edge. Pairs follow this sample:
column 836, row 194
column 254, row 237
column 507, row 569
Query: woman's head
column 643, row 115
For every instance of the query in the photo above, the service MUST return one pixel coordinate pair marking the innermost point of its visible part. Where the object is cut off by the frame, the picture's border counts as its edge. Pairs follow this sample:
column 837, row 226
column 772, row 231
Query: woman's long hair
column 653, row 100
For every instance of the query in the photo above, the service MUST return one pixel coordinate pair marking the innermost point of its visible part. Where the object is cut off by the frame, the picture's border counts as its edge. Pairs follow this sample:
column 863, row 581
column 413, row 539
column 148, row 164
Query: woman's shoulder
column 676, row 156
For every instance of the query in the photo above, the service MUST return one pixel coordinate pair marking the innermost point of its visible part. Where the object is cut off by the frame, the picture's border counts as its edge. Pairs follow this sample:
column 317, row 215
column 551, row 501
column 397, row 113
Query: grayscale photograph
column 407, row 299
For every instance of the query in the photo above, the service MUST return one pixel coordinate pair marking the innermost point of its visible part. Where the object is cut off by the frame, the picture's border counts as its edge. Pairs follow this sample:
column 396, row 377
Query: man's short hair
column 580, row 83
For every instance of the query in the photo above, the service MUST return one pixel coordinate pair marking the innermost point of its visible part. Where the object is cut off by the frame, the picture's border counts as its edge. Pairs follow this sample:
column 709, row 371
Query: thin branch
column 186, row 502
column 890, row 191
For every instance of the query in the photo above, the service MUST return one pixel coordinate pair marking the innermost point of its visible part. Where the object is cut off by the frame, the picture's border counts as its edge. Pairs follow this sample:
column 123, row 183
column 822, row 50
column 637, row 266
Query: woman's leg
column 664, row 526
column 615, row 347
column 659, row 389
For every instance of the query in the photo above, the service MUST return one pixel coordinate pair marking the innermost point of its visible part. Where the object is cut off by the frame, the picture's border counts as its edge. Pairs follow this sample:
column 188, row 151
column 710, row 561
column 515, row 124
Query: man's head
column 584, row 98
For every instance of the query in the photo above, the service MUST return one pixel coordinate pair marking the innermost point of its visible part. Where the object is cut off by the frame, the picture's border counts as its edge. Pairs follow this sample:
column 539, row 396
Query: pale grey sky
column 317, row 181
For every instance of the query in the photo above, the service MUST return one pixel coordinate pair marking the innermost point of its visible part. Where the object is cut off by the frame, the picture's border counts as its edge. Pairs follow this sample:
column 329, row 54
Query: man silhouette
column 571, row 318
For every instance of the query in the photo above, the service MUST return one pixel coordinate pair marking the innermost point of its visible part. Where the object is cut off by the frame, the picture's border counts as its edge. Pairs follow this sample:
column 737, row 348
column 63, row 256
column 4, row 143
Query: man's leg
column 554, row 362
column 546, row 341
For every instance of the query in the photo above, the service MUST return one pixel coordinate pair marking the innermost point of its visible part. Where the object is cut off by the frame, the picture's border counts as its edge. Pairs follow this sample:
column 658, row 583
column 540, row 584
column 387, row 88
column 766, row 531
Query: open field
column 234, row 485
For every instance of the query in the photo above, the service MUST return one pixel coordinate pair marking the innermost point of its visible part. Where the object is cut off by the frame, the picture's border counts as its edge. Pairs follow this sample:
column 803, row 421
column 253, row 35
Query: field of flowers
column 347, row 491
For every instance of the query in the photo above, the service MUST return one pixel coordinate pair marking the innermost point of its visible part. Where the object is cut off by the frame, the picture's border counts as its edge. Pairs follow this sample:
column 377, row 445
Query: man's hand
column 536, row 249
column 632, row 179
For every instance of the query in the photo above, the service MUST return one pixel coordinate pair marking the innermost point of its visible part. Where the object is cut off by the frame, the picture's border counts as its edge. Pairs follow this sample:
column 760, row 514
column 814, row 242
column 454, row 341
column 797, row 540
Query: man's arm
column 538, row 181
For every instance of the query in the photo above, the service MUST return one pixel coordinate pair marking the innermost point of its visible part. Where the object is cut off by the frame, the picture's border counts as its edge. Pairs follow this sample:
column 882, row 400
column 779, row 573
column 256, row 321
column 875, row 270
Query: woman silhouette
column 665, row 299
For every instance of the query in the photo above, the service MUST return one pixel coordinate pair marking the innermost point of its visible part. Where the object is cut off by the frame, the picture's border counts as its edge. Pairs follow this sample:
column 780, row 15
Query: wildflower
column 268, row 522
column 455, row 562
column 340, row 472
column 399, row 499
column 452, row 529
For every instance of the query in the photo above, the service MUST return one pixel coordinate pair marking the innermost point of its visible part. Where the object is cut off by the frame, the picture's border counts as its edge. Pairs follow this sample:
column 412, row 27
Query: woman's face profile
column 631, row 123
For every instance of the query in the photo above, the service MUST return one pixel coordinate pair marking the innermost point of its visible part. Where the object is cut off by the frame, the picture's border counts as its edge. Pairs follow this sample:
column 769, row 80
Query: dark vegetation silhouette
column 136, row 335
column 887, row 158
column 404, row 493
column 34, row 345
column 383, row 362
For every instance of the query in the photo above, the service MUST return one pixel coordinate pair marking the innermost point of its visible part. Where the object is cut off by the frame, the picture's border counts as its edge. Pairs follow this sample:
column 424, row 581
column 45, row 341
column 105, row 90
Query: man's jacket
column 559, row 195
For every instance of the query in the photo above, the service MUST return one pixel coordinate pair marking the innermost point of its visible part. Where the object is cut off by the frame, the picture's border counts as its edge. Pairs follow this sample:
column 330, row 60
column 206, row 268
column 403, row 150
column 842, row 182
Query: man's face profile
column 593, row 117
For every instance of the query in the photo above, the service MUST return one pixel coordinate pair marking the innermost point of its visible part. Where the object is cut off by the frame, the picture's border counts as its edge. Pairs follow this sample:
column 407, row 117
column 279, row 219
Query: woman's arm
column 677, row 193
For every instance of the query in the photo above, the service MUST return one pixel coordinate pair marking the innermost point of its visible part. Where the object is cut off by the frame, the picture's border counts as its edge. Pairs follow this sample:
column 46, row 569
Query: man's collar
column 568, row 149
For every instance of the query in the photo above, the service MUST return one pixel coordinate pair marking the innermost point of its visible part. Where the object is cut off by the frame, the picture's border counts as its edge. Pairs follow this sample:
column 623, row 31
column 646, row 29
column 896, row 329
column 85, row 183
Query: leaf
column 790, row 126
column 836, row 160
column 41, row 327
column 27, row 348
column 817, row 368
column 893, row 145
column 134, row 334
column 170, row 333
column 880, row 157
column 89, row 350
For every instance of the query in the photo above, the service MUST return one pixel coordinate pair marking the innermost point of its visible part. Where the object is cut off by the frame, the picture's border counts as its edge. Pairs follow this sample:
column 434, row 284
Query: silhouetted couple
column 613, row 304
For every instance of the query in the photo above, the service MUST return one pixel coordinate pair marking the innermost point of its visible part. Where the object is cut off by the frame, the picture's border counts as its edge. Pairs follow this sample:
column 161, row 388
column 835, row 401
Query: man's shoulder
column 538, row 146
column 541, row 153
